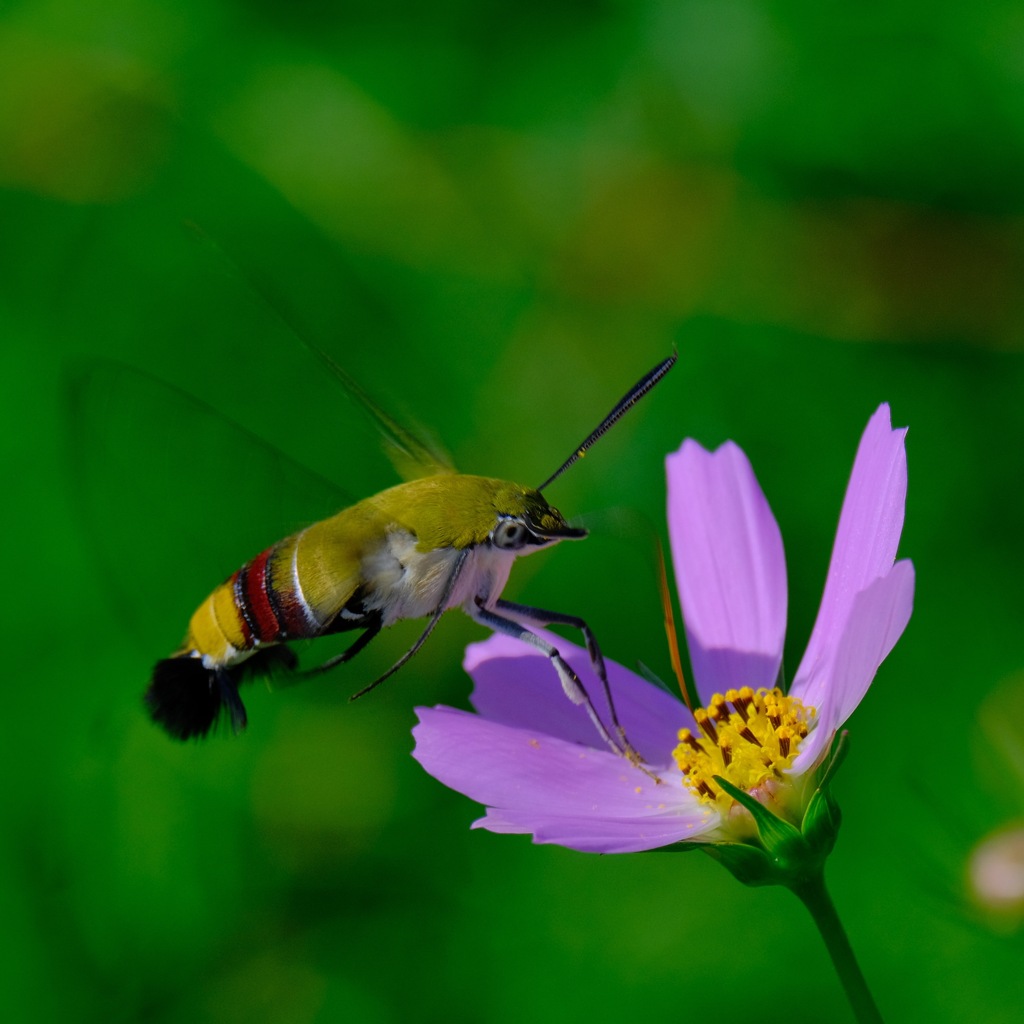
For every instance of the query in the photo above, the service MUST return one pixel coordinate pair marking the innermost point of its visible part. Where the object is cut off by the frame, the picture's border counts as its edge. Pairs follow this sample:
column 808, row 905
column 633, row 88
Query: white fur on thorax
column 405, row 583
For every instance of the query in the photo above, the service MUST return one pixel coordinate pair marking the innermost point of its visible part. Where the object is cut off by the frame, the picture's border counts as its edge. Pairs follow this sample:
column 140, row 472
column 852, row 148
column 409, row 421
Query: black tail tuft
column 186, row 698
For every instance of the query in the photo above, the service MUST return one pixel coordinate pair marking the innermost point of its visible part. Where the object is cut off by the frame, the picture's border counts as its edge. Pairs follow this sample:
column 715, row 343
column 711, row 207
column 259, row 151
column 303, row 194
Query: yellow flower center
column 746, row 737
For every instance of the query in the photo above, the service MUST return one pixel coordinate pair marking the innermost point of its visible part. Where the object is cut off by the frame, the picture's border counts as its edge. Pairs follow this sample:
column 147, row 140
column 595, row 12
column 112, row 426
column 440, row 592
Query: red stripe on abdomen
column 263, row 615
column 296, row 615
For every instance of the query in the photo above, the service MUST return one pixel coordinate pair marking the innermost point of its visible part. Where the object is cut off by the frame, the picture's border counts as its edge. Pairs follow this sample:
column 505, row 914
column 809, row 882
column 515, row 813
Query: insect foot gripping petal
column 186, row 698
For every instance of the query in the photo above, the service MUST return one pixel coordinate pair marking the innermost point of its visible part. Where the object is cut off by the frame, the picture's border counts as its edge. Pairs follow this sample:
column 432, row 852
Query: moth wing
column 411, row 450
column 172, row 496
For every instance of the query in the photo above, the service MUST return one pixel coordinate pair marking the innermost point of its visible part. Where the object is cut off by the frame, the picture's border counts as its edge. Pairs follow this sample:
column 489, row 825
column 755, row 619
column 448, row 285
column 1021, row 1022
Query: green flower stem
column 812, row 893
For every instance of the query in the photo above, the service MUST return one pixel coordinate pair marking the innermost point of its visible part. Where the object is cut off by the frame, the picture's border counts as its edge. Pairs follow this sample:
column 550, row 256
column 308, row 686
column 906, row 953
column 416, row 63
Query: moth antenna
column 635, row 393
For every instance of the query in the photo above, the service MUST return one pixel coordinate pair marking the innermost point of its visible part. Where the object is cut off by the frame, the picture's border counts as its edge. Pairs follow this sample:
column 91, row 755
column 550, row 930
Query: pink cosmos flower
column 534, row 759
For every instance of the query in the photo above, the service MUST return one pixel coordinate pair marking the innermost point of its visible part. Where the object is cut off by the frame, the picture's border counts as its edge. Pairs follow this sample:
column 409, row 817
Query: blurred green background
column 496, row 217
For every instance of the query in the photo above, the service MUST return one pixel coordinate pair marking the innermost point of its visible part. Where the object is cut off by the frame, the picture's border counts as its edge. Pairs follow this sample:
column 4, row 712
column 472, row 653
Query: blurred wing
column 412, row 454
column 409, row 448
column 173, row 496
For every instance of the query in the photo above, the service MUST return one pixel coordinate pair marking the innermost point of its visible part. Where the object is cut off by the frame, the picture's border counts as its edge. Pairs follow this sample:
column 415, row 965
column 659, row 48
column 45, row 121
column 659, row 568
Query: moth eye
column 509, row 534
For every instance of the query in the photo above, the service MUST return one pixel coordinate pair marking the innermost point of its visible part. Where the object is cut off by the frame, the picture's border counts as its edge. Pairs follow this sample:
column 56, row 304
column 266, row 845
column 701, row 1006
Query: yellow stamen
column 717, row 709
column 785, row 737
column 749, row 736
column 739, row 699
column 707, row 727
column 750, row 745
column 690, row 740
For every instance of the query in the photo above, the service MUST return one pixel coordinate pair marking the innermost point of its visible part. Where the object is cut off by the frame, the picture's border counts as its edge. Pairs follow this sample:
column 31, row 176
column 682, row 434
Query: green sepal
column 747, row 864
column 823, row 817
column 837, row 755
column 821, row 823
column 775, row 834
column 684, row 846
column 786, row 852
column 785, row 855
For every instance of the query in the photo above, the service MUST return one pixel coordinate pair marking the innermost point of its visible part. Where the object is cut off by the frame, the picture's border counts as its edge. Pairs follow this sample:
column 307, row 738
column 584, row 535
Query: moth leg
column 571, row 684
column 541, row 617
column 371, row 625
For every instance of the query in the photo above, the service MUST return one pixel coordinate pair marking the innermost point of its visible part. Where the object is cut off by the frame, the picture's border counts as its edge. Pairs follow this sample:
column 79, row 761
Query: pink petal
column 876, row 621
column 730, row 568
column 515, row 684
column 526, row 771
column 869, row 531
column 589, row 836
